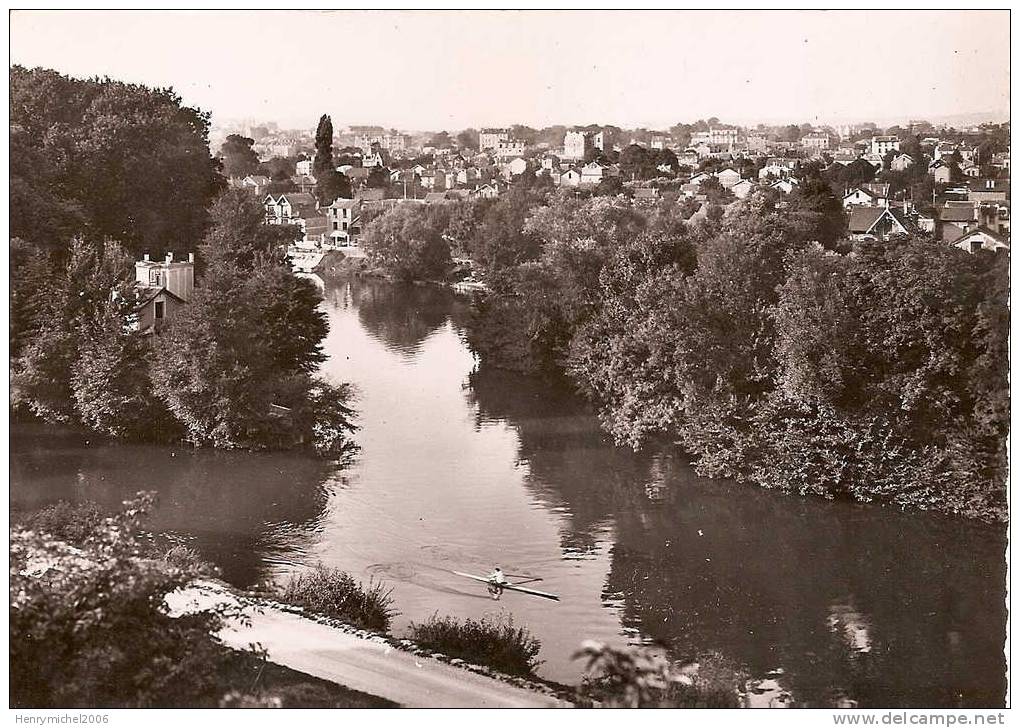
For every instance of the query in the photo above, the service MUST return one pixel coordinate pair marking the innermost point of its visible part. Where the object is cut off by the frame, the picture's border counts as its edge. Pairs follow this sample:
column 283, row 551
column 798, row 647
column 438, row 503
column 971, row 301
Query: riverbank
column 393, row 669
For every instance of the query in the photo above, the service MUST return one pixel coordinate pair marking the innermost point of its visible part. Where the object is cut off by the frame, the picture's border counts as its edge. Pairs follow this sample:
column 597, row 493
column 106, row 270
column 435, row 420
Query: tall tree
column 323, row 160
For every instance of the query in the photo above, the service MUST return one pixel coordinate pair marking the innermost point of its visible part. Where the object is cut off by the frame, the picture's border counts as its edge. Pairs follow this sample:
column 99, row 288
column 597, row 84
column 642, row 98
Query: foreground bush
column 89, row 626
column 335, row 593
column 71, row 522
column 629, row 677
column 495, row 643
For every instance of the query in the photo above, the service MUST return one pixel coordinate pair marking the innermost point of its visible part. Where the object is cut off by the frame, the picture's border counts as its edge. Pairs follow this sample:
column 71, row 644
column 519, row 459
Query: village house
column 344, row 221
column 875, row 223
column 516, row 167
column 742, row 188
column 304, row 167
column 785, row 185
column 728, row 177
column 509, row 149
column 592, row 173
column 646, row 195
column 940, row 171
column 258, row 184
column 816, row 142
column 487, row 191
column 868, row 195
column 490, row 138
column 980, row 238
column 570, row 178
column 300, row 209
column 161, row 289
column 882, row 144
column 576, row 144
column 956, row 218
column 902, row 162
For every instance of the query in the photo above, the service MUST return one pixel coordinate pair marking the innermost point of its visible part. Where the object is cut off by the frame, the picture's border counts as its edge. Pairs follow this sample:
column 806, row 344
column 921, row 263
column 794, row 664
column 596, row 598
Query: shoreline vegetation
column 749, row 334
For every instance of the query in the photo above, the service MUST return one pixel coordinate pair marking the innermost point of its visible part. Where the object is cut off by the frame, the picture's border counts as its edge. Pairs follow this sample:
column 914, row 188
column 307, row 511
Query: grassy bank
column 336, row 593
column 496, row 643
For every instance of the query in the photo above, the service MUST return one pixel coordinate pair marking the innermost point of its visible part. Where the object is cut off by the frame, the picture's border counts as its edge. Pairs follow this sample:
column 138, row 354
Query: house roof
column 298, row 198
column 343, row 202
column 435, row 197
column 146, row 293
column 646, row 193
column 983, row 232
column 863, row 219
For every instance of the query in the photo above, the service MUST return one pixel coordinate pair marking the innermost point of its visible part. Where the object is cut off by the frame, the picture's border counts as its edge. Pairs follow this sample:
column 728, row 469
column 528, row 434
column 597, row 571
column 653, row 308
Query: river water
column 462, row 468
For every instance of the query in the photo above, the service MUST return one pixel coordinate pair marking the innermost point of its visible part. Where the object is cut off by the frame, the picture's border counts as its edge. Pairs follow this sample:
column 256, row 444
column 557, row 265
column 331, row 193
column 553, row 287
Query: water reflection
column 848, row 602
column 401, row 316
column 242, row 511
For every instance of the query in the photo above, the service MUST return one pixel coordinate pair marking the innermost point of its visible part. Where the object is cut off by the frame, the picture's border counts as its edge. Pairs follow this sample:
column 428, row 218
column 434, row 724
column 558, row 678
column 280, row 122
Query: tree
column 440, row 140
column 323, row 160
column 407, row 242
column 816, row 214
column 238, row 158
column 72, row 301
column 468, row 139
column 92, row 629
column 225, row 387
column 330, row 185
column 103, row 159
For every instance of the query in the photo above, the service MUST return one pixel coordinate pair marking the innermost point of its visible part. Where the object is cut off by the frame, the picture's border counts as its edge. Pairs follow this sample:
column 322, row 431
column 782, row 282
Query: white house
column 728, row 177
column 592, row 173
column 882, row 144
column 980, row 239
column 570, row 178
column 742, row 188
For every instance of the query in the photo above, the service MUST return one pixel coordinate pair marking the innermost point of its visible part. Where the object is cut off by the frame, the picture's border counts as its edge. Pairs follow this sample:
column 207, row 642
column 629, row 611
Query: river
column 462, row 468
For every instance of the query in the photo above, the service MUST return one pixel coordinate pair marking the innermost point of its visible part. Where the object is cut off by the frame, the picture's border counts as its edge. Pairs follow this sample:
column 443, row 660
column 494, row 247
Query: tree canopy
column 104, row 159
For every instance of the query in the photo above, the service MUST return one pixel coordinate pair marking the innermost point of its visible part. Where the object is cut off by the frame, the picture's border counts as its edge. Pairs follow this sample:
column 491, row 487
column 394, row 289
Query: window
column 160, row 306
column 154, row 277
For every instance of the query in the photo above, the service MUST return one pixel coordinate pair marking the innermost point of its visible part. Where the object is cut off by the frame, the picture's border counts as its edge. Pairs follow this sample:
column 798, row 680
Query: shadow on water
column 240, row 510
column 888, row 608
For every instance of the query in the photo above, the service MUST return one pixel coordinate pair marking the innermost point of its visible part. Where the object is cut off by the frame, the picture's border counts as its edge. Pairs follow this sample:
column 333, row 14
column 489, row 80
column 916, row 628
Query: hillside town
column 915, row 178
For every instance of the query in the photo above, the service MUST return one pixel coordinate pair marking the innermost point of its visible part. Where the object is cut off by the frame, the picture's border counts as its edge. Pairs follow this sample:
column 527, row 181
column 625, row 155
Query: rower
column 496, row 581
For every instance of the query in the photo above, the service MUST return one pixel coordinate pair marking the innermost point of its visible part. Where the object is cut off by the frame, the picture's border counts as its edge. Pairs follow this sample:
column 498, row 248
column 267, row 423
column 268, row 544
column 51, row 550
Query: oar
column 527, row 579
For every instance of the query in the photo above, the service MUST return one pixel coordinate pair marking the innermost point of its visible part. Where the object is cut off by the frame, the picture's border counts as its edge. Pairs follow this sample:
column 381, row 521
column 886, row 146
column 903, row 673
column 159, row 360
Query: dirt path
column 372, row 667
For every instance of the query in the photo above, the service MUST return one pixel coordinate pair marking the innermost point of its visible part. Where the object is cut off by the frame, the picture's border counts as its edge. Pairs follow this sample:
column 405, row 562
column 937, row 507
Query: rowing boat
column 511, row 587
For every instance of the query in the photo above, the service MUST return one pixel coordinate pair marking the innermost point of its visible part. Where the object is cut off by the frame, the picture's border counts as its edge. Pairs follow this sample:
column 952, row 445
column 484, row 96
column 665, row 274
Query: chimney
column 169, row 257
column 191, row 257
column 146, row 257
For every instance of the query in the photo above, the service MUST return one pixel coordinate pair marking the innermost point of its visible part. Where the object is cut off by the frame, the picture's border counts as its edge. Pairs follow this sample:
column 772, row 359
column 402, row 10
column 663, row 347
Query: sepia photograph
column 509, row 359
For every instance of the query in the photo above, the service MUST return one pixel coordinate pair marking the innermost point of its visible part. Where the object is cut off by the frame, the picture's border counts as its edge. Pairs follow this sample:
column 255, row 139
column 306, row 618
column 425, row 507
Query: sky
column 430, row 70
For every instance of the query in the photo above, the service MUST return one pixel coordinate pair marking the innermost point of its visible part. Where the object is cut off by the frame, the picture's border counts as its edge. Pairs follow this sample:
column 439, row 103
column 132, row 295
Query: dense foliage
column 407, row 242
column 227, row 387
column 493, row 642
column 89, row 626
column 207, row 377
column 874, row 373
column 335, row 593
column 102, row 159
